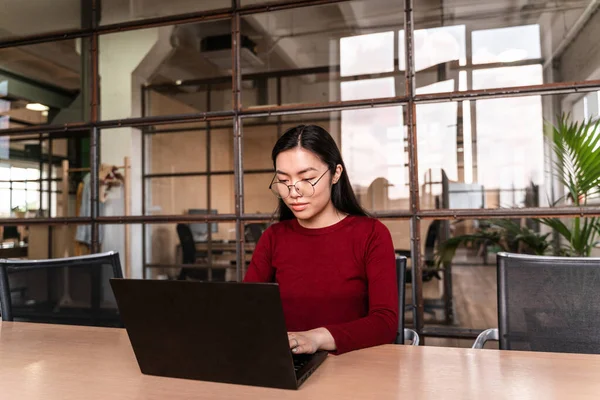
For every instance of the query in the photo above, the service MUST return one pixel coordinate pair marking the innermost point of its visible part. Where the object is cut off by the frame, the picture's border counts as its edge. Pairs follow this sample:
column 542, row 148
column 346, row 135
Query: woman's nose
column 294, row 193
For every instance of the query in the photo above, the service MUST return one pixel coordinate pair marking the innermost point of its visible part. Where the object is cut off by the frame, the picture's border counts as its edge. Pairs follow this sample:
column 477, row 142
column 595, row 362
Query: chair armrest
column 488, row 334
column 411, row 335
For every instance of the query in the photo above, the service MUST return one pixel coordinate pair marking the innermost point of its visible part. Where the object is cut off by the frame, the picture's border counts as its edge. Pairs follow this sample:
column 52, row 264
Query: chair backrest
column 401, row 280
column 188, row 246
column 549, row 304
column 253, row 232
column 72, row 290
column 433, row 233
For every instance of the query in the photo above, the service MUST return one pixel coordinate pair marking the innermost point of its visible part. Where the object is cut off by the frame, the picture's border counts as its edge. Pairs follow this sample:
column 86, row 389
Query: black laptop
column 219, row 332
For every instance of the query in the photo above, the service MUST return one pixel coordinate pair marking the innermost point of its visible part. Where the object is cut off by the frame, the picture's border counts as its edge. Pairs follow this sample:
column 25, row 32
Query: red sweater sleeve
column 260, row 268
column 381, row 323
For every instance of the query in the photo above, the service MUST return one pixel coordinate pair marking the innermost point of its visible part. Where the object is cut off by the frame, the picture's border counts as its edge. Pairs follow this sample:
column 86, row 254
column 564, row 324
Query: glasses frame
column 273, row 181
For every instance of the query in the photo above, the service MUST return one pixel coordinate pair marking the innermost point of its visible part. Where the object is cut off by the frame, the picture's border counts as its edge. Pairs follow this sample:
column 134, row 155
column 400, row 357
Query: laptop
column 211, row 331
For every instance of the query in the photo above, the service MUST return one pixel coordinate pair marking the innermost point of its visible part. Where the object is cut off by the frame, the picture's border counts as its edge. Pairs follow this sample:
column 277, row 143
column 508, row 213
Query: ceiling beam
column 18, row 87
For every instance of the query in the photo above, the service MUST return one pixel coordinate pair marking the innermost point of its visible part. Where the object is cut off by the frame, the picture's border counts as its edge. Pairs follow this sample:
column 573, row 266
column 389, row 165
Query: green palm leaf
column 577, row 165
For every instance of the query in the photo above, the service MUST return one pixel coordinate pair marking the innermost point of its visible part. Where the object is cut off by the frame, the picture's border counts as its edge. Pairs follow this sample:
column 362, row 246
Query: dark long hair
column 318, row 141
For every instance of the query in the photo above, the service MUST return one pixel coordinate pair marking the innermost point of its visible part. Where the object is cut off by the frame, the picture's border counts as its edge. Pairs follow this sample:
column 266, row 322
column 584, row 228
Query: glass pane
column 38, row 242
column 176, row 195
column 178, row 69
column 373, row 146
column 28, row 18
column 221, row 146
column 214, row 260
column 176, row 149
column 174, row 170
column 309, row 54
column 469, row 277
column 493, row 153
column 188, row 195
column 259, row 138
column 41, row 84
column 222, row 194
column 115, row 11
column 506, row 44
column 112, row 237
column 27, row 157
column 500, row 44
column 461, row 294
column 258, row 199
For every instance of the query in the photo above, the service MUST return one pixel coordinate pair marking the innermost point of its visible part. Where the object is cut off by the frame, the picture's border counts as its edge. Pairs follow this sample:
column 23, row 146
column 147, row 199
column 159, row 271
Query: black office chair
column 545, row 303
column 191, row 256
column 403, row 334
column 253, row 232
column 430, row 272
column 36, row 291
column 433, row 234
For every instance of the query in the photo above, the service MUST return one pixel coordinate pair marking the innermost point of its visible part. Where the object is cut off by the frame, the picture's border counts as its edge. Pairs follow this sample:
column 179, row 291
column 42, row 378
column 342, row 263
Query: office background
column 442, row 110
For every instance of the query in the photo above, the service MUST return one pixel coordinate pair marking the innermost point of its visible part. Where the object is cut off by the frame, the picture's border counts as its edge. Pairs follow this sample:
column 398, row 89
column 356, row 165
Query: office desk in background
column 220, row 250
column 53, row 362
column 223, row 256
column 13, row 250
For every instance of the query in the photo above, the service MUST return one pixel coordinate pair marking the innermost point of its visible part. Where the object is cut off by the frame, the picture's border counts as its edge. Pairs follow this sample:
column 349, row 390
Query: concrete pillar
column 127, row 60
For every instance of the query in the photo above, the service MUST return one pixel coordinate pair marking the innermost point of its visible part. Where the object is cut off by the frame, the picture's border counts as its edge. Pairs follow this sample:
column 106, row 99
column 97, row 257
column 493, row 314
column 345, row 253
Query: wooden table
column 54, row 362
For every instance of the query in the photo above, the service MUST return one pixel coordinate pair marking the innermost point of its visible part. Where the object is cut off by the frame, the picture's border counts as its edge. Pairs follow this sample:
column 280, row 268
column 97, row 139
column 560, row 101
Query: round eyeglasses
column 304, row 188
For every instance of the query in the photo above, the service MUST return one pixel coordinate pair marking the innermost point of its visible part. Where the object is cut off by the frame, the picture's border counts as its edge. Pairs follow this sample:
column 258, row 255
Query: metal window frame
column 92, row 30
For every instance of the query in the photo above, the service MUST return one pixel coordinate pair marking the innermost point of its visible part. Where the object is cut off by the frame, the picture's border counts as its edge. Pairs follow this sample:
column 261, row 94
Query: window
column 372, row 139
column 20, row 191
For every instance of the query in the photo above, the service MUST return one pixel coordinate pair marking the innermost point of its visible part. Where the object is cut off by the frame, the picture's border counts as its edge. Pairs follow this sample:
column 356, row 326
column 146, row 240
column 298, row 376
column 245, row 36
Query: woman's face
column 297, row 165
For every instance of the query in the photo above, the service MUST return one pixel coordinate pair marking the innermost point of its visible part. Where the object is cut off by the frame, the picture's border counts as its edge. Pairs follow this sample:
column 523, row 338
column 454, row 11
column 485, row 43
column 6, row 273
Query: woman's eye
column 282, row 180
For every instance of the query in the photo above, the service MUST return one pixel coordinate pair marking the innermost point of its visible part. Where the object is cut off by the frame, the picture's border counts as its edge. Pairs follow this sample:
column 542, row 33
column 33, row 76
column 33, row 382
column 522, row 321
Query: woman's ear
column 337, row 174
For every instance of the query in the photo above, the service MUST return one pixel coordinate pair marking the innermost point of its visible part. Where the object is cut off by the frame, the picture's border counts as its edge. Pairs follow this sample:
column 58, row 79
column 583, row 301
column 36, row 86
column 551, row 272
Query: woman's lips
column 299, row 206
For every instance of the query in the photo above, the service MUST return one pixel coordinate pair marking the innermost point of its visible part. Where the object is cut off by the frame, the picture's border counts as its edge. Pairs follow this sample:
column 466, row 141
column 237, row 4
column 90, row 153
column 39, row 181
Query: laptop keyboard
column 301, row 360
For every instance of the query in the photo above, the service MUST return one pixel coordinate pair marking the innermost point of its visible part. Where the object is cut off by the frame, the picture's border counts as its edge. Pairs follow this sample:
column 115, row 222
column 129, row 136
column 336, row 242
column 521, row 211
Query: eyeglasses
column 304, row 188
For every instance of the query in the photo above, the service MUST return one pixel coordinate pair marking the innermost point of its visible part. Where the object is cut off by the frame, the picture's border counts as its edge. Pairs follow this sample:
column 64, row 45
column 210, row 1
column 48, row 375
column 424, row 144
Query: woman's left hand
column 310, row 342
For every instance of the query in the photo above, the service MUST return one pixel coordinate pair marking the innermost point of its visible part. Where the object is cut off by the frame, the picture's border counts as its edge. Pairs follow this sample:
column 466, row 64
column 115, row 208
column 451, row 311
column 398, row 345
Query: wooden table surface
column 54, row 362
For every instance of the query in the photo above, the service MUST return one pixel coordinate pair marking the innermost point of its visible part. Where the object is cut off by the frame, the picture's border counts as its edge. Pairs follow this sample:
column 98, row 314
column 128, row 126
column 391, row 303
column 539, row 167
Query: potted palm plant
column 576, row 147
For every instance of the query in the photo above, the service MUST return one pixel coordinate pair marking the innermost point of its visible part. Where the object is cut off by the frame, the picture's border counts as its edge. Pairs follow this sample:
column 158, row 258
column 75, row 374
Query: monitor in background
column 200, row 230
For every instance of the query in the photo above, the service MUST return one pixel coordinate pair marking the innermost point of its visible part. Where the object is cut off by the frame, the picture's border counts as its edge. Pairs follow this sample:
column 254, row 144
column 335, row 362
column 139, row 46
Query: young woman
column 335, row 266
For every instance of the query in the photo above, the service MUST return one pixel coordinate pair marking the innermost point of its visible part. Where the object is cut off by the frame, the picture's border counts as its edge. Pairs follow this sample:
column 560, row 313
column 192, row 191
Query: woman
column 335, row 266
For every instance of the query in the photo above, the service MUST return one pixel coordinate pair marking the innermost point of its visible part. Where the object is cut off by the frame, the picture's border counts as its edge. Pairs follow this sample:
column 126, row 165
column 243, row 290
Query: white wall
column 120, row 56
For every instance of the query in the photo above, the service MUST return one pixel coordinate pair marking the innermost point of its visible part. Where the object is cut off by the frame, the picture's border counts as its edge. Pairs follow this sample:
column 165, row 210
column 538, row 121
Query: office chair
column 253, row 232
column 191, row 256
column 430, row 272
column 429, row 261
column 36, row 284
column 403, row 334
column 546, row 303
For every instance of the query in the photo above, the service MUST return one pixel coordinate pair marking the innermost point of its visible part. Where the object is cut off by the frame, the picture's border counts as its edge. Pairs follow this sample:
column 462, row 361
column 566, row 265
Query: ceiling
column 289, row 39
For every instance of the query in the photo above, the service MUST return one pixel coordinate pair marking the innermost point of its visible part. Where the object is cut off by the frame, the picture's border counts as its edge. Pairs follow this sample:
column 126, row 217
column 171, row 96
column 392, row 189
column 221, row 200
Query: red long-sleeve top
column 342, row 278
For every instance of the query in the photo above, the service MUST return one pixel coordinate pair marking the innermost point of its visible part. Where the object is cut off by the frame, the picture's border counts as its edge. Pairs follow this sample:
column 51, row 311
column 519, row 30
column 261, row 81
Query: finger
column 293, row 342
column 303, row 348
column 300, row 349
column 301, row 345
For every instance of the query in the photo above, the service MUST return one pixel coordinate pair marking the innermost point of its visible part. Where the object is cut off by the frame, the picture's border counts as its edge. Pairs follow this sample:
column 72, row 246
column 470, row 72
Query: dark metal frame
column 91, row 30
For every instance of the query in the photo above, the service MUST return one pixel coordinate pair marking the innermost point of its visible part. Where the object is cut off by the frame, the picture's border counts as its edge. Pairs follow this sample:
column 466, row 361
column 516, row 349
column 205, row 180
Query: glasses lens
column 280, row 190
column 305, row 189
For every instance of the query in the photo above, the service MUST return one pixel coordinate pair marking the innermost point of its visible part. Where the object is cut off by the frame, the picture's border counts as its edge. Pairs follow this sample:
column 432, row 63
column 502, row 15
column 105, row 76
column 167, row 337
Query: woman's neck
column 327, row 217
